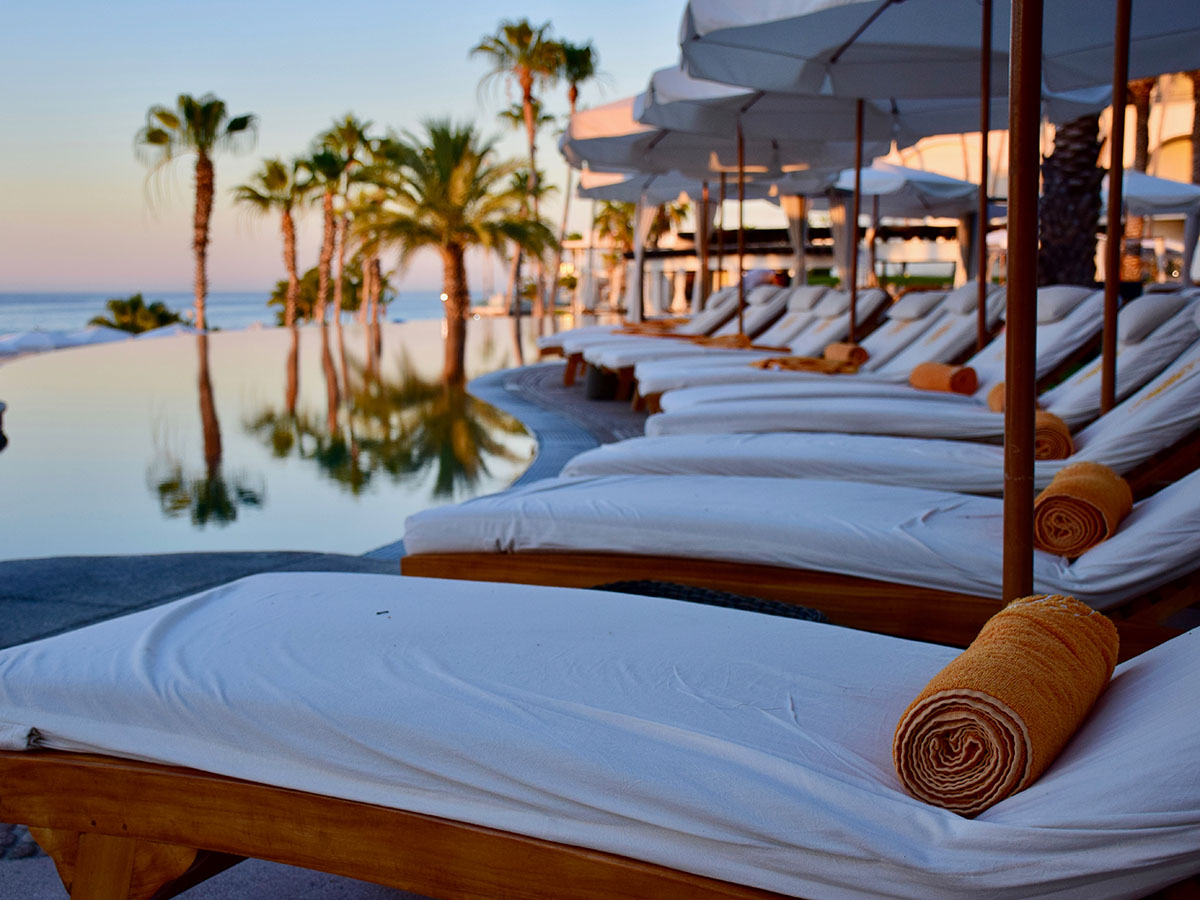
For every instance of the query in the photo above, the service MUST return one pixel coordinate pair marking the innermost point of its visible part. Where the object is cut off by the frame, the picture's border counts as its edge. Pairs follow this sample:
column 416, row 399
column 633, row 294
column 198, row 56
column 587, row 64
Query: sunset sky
column 78, row 77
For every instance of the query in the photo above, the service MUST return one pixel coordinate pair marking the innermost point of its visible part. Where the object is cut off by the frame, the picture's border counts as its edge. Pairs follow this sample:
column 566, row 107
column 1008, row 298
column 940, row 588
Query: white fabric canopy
column 666, row 187
column 920, row 48
column 744, row 747
column 609, row 137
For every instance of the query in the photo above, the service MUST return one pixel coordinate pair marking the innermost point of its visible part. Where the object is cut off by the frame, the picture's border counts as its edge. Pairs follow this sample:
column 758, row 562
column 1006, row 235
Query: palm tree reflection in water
column 208, row 498
column 401, row 428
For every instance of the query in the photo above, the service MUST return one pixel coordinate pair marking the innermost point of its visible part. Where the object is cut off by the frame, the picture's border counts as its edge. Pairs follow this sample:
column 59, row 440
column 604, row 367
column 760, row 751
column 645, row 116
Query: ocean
column 228, row 310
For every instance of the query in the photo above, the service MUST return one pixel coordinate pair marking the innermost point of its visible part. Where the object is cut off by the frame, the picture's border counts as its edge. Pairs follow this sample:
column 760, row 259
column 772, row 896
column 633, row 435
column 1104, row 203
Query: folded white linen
column 733, row 745
column 928, row 538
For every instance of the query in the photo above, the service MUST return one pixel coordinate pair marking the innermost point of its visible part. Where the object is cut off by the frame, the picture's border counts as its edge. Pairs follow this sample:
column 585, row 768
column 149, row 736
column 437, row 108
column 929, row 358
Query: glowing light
column 445, row 297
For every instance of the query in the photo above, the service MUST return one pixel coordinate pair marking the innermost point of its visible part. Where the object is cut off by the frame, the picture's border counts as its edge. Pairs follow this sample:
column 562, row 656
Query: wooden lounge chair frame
column 126, row 830
column 925, row 614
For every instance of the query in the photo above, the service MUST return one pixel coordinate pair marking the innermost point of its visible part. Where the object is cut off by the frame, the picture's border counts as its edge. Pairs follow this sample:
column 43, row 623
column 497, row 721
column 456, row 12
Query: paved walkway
column 42, row 597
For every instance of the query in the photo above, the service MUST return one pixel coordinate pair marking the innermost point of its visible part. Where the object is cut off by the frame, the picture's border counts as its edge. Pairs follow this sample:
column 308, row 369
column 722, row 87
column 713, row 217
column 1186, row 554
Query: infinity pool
column 269, row 439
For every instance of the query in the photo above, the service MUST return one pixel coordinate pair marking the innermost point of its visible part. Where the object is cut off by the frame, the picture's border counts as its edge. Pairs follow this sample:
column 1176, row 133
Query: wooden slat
column 925, row 614
column 101, row 796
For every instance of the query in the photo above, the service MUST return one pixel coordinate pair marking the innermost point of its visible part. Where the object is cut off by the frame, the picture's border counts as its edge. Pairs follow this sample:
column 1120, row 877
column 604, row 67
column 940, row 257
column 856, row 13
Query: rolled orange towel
column 844, row 351
column 931, row 376
column 1081, row 507
column 995, row 397
column 805, row 364
column 1051, row 437
column 991, row 722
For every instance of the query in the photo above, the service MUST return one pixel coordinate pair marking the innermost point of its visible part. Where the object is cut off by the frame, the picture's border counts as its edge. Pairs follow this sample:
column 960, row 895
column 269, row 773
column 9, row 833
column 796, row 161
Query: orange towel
column 844, row 351
column 738, row 341
column 990, row 723
column 806, row 364
column 1081, row 507
column 995, row 397
column 653, row 327
column 931, row 376
column 1051, row 437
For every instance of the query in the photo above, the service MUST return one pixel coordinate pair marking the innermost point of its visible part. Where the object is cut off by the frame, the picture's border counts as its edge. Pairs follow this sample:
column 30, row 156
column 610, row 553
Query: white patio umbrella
column 657, row 188
column 1148, row 195
column 919, row 47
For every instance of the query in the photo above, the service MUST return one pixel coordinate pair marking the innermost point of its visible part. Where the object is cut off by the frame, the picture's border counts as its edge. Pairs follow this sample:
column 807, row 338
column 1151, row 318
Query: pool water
column 269, row 439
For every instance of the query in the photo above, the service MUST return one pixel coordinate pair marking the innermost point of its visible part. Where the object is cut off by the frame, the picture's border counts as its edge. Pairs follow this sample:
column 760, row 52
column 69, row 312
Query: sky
column 77, row 77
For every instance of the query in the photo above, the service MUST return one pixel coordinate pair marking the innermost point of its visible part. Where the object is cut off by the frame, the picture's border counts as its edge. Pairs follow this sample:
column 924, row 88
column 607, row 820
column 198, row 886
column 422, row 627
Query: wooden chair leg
column 639, row 402
column 572, row 369
column 103, row 867
column 624, row 383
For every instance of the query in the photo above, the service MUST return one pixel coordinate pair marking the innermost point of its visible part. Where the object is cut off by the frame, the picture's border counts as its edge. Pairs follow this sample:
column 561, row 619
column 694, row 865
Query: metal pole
column 721, row 236
column 702, row 240
column 1116, row 180
column 985, row 125
column 741, row 245
column 1024, row 127
column 858, row 146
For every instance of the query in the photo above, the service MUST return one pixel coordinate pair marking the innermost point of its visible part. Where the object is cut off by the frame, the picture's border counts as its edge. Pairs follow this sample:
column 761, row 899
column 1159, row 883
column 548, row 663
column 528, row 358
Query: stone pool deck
column 42, row 597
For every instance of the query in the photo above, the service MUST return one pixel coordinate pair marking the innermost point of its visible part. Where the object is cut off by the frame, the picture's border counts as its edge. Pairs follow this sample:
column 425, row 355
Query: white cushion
column 962, row 299
column 761, row 294
column 1054, row 302
column 1196, row 316
column 833, row 304
column 805, row 297
column 915, row 305
column 1143, row 315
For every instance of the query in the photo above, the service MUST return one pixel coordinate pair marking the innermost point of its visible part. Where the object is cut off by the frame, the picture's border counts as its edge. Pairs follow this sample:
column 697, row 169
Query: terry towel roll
column 1079, row 508
column 931, row 376
column 844, row 351
column 805, row 364
column 994, row 719
column 1051, row 437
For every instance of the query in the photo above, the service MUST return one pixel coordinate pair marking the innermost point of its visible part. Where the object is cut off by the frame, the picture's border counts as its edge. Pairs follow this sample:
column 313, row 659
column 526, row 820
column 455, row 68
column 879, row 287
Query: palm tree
column 133, row 315
column 325, row 168
column 1140, row 93
column 527, row 55
column 348, row 139
column 447, row 193
column 1069, row 214
column 276, row 187
column 578, row 63
column 614, row 220
column 201, row 126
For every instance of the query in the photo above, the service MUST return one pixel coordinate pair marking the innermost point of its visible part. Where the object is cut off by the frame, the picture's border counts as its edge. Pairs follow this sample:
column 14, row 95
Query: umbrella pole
column 858, row 143
column 1116, row 179
column 985, row 125
column 721, row 235
column 1024, row 128
column 741, row 243
column 702, row 239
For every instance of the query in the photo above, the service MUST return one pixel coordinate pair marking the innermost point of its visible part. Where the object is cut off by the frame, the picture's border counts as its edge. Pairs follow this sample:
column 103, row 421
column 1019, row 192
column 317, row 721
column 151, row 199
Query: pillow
column 761, row 294
column 805, row 297
column 915, row 304
column 1143, row 315
column 1055, row 302
column 832, row 304
column 961, row 300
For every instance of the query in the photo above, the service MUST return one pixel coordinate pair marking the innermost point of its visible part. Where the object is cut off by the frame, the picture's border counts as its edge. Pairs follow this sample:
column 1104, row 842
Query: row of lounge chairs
column 481, row 738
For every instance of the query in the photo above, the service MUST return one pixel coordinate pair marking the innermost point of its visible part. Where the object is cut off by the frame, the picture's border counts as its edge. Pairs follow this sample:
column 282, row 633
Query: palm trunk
column 209, row 425
column 205, row 187
column 1195, row 126
column 293, row 373
column 1069, row 214
column 454, row 283
column 376, row 297
column 531, row 131
column 332, row 394
column 365, row 292
column 289, row 260
column 338, row 285
column 325, row 259
column 514, row 295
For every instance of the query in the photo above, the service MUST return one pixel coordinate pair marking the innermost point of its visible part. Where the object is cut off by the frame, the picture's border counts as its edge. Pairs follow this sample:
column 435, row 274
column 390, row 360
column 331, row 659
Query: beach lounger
column 552, row 344
column 918, row 328
column 488, row 740
column 899, row 409
column 1164, row 413
column 763, row 307
column 907, row 561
